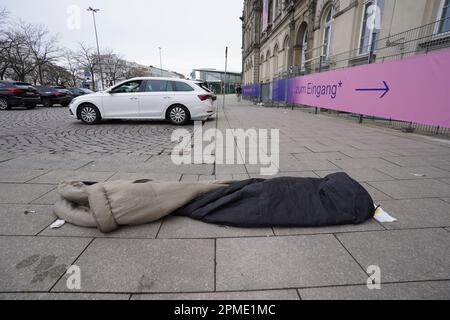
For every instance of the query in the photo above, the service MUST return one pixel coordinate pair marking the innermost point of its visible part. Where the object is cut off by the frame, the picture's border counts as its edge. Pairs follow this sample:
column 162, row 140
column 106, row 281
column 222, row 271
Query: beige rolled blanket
column 108, row 205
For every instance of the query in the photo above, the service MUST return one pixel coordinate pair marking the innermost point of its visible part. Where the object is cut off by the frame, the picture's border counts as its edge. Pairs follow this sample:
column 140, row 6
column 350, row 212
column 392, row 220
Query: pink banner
column 413, row 89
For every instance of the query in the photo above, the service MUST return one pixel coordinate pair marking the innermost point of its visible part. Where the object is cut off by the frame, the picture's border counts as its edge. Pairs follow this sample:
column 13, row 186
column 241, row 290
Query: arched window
column 275, row 60
column 304, row 47
column 268, row 60
column 444, row 16
column 371, row 25
column 261, row 71
column 286, row 53
column 327, row 32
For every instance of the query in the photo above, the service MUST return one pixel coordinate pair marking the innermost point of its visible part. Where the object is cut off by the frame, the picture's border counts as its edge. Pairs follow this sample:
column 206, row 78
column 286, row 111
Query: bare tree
column 88, row 60
column 56, row 75
column 41, row 44
column 5, row 45
column 73, row 67
column 134, row 71
column 114, row 66
column 18, row 56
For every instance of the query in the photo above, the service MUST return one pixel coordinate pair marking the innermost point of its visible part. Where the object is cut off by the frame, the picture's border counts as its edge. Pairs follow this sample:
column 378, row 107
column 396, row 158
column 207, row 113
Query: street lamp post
column 160, row 61
column 94, row 11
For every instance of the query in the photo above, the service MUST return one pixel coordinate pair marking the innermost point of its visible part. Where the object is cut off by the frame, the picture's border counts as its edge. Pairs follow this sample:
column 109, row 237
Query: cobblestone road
column 52, row 130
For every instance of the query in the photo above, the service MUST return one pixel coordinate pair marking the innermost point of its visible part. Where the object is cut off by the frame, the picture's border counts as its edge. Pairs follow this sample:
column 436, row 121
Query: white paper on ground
column 383, row 217
column 57, row 224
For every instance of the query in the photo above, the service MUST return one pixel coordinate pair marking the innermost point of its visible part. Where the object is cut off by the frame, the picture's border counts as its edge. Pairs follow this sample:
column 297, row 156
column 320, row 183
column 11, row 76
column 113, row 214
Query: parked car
column 54, row 95
column 18, row 94
column 174, row 100
column 76, row 92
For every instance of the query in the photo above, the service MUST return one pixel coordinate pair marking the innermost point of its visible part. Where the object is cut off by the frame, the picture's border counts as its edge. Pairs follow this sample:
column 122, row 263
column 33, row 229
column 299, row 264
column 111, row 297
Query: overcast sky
column 192, row 33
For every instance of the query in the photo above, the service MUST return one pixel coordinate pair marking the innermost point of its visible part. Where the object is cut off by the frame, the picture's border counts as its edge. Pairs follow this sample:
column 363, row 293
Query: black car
column 54, row 95
column 79, row 91
column 18, row 94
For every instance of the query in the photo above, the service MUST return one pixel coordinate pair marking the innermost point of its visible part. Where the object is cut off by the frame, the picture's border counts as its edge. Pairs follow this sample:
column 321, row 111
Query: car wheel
column 89, row 114
column 4, row 105
column 47, row 102
column 178, row 115
column 30, row 107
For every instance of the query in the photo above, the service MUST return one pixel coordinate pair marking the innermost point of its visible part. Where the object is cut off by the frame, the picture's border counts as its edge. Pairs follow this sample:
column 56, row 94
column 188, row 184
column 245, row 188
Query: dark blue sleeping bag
column 284, row 202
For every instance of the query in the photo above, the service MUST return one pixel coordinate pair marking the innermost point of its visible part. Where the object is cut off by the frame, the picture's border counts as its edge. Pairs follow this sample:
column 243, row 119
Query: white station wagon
column 174, row 100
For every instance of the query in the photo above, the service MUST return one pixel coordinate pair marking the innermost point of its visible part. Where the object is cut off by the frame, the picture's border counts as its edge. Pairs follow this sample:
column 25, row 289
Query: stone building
column 287, row 37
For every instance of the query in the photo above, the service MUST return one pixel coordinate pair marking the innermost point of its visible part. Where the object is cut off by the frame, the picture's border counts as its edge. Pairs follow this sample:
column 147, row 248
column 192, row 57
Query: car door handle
column 167, row 97
column 134, row 98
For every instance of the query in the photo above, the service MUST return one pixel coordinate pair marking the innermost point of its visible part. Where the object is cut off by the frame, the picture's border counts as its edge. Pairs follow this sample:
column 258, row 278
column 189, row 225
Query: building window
column 371, row 24
column 270, row 11
column 304, row 47
column 444, row 17
column 275, row 60
column 327, row 32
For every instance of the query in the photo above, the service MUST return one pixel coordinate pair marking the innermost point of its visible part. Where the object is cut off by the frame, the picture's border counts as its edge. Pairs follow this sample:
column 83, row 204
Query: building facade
column 214, row 78
column 162, row 73
column 292, row 37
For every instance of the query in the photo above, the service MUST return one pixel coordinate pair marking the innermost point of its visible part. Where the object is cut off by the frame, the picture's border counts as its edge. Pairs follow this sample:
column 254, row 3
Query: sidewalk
column 180, row 258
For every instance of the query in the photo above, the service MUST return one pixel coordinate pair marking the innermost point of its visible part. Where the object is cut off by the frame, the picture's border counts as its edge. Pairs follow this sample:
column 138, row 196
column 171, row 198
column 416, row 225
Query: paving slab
column 118, row 162
column 49, row 198
column 58, row 176
column 242, row 295
column 415, row 173
column 62, row 296
column 181, row 227
column 19, row 176
column 158, row 164
column 360, row 175
column 321, row 156
column 44, row 162
column 402, row 255
column 230, row 169
column 146, row 266
column 189, row 178
column 447, row 181
column 36, row 264
column 364, row 154
column 446, row 199
column 418, row 213
column 303, row 174
column 284, row 262
column 22, row 193
column 14, row 221
column 306, row 165
column 422, row 151
column 437, row 290
column 146, row 231
column 410, row 189
column 416, row 161
column 362, row 163
column 332, row 148
column 371, row 225
column 376, row 194
column 151, row 176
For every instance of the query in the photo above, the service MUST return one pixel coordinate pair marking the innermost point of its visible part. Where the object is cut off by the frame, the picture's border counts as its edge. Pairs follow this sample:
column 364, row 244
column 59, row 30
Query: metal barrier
column 415, row 41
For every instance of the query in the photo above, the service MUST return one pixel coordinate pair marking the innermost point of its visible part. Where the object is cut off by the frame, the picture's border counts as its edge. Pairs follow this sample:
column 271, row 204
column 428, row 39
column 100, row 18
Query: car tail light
column 16, row 91
column 204, row 97
column 58, row 94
